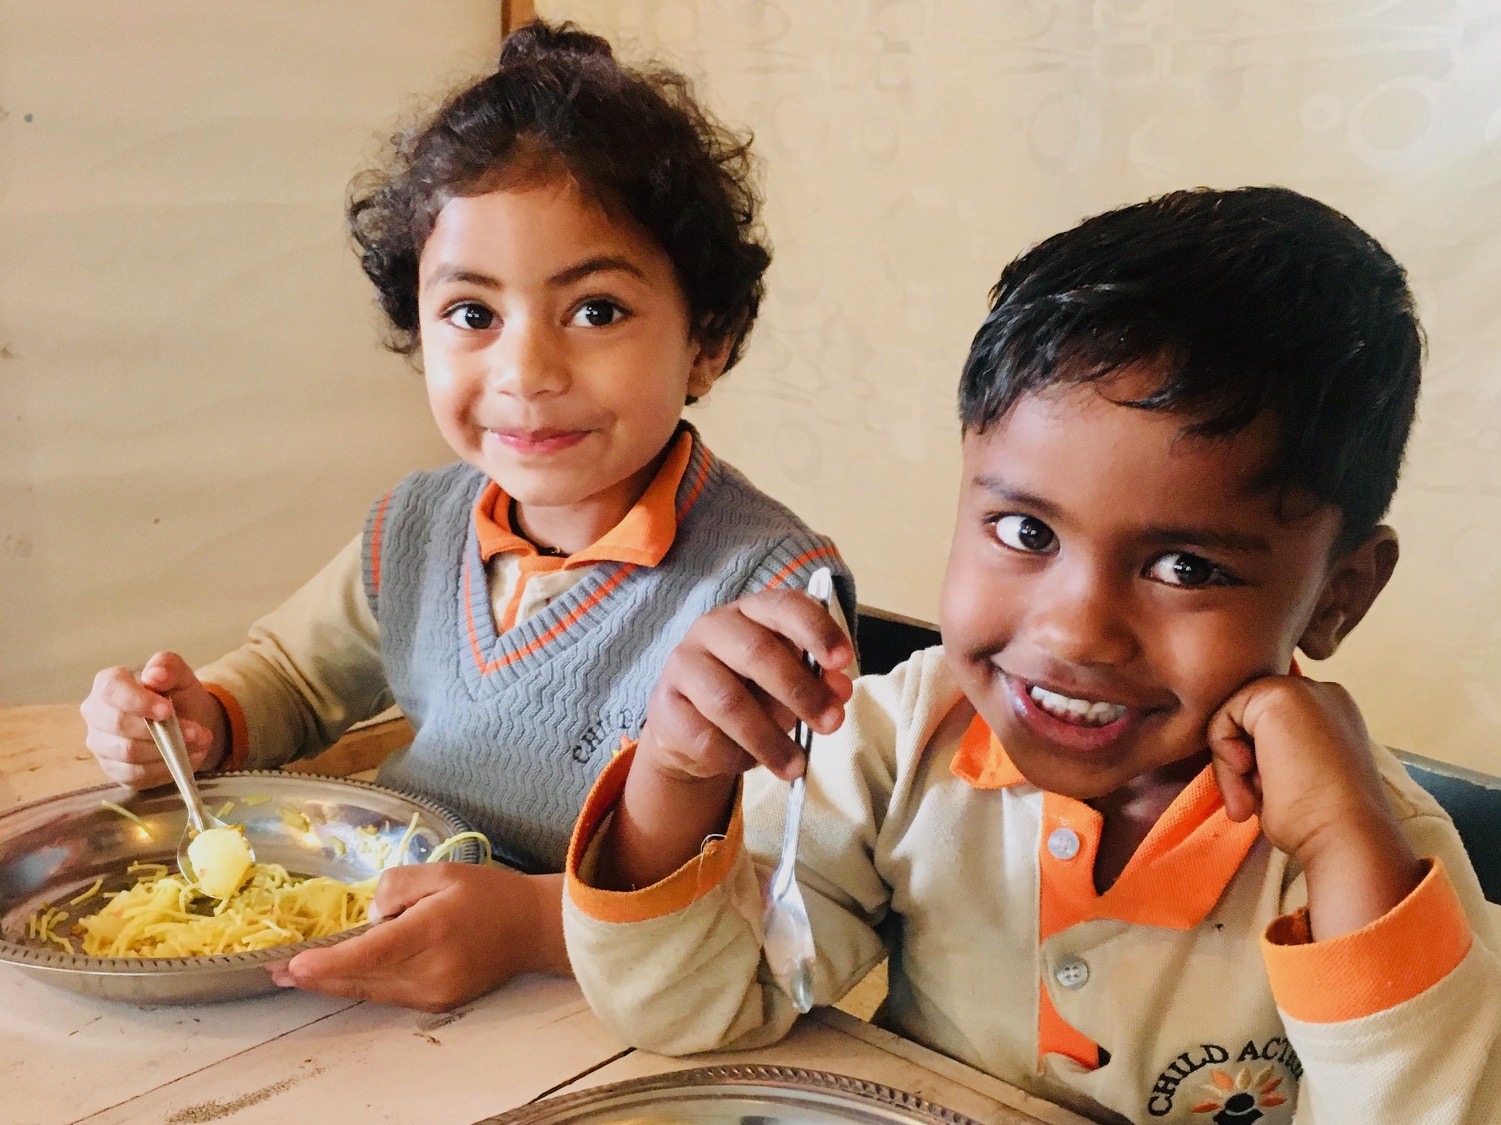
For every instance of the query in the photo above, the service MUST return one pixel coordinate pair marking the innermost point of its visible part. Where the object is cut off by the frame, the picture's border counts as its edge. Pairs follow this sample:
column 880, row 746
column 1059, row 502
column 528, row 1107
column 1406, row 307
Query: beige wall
column 194, row 409
column 194, row 413
column 912, row 146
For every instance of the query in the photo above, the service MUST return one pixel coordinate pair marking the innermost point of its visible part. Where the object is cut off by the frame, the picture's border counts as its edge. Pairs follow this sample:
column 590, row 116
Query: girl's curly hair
column 633, row 138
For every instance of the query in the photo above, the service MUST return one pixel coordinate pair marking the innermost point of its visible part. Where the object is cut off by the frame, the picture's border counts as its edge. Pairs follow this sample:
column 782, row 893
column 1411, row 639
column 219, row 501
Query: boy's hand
column 451, row 932
column 117, row 708
column 728, row 695
column 1296, row 751
column 732, row 689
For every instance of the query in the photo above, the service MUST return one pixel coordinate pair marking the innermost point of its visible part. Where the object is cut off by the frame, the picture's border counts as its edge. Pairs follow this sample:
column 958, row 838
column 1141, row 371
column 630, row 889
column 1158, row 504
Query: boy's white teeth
column 1076, row 710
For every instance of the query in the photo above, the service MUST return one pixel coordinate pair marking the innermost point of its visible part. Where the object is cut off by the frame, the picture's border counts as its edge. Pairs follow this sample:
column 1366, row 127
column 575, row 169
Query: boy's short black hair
column 634, row 139
column 1244, row 301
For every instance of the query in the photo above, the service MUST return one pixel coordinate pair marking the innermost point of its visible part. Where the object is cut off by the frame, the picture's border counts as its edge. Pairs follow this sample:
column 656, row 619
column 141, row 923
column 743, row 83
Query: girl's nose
column 528, row 359
column 1081, row 618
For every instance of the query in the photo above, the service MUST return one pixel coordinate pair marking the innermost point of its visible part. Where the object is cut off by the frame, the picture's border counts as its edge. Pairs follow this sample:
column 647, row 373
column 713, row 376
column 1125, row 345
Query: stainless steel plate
column 54, row 849
column 735, row 1095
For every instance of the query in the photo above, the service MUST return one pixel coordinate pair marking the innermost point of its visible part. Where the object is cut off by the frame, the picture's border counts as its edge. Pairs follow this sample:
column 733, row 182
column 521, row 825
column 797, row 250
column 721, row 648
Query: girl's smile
column 558, row 352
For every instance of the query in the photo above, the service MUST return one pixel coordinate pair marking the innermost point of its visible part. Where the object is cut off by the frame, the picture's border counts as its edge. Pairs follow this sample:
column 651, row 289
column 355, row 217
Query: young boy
column 1118, row 849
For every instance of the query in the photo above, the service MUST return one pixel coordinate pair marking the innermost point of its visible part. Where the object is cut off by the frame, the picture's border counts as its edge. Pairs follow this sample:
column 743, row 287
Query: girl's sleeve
column 307, row 672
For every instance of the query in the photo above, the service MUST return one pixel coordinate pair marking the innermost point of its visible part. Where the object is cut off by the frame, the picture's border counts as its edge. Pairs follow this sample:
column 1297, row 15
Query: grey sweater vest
column 512, row 728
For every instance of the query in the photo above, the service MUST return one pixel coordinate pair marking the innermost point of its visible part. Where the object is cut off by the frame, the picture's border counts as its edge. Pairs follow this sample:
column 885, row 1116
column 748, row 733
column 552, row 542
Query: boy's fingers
column 804, row 622
column 1233, row 758
column 722, row 726
column 757, row 650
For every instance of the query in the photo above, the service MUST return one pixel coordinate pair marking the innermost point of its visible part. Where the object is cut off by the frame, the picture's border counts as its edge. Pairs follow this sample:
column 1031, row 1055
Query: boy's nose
column 528, row 359
column 1084, row 621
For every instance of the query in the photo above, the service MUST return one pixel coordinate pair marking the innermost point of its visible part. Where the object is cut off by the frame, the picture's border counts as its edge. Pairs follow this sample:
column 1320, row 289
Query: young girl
column 571, row 245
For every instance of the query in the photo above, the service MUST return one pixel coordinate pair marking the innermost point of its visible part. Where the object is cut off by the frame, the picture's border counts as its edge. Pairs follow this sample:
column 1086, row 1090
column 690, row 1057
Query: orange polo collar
column 643, row 536
column 1173, row 880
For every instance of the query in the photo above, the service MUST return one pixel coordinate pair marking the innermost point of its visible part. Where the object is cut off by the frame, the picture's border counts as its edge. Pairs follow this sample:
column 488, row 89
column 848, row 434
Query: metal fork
column 784, row 921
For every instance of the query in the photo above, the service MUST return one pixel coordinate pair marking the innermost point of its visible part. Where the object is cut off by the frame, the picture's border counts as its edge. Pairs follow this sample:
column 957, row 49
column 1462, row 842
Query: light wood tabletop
column 66, row 1059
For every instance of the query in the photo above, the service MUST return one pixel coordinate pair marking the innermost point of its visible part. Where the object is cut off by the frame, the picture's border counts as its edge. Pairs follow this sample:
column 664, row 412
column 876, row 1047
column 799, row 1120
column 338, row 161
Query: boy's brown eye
column 1026, row 533
column 1179, row 568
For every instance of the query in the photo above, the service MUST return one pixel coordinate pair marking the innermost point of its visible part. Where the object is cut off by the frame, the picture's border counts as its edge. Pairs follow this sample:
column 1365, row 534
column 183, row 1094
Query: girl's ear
column 1354, row 580
column 708, row 365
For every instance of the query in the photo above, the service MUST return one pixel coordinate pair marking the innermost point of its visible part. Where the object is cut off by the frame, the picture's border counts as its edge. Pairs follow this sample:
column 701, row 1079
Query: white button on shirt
column 1071, row 972
column 1063, row 843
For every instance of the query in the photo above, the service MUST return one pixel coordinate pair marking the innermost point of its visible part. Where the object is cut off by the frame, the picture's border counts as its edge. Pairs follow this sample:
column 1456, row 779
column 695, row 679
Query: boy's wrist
column 1357, row 872
column 660, row 822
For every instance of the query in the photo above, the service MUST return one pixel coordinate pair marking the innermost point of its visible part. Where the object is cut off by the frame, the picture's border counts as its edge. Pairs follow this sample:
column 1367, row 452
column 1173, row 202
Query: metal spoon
column 168, row 737
column 784, row 921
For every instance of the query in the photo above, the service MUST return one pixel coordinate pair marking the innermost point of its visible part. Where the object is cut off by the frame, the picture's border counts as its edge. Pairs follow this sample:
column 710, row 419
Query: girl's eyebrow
column 604, row 263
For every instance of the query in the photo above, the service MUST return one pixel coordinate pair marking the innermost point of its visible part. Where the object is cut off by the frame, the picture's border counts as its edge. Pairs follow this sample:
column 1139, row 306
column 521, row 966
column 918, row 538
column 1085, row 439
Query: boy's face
column 557, row 351
column 1112, row 582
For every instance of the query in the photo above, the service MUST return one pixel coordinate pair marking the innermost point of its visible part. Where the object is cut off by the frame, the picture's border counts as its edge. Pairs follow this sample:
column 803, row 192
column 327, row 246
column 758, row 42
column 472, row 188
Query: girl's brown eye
column 470, row 315
column 598, row 313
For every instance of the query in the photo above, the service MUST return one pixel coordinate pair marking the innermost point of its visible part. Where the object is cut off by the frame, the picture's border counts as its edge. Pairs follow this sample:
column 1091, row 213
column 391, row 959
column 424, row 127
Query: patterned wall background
column 195, row 411
column 911, row 147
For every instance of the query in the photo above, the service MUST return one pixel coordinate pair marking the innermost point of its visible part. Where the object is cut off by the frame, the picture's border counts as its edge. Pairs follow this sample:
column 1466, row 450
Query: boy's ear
column 708, row 365
column 1354, row 580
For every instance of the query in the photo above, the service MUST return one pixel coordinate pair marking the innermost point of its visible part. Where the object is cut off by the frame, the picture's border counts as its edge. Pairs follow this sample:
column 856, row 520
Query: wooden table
column 301, row 1057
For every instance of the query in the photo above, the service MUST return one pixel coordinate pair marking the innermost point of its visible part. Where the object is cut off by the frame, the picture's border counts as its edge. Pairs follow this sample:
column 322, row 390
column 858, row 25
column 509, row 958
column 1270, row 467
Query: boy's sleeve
column 677, row 967
column 1401, row 1020
column 308, row 671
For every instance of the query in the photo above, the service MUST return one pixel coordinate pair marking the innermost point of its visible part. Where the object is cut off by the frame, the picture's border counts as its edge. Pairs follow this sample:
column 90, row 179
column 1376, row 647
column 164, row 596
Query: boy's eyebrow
column 1221, row 538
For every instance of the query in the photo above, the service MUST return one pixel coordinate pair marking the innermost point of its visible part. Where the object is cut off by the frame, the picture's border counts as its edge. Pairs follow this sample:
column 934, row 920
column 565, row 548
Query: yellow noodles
column 158, row 916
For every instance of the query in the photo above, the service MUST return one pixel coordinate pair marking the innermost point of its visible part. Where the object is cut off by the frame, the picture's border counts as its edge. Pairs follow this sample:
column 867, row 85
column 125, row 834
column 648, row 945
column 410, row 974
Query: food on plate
column 221, row 860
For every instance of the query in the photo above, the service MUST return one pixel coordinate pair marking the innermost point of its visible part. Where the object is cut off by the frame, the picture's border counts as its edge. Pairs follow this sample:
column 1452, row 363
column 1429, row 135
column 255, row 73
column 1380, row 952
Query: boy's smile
column 558, row 353
column 1112, row 582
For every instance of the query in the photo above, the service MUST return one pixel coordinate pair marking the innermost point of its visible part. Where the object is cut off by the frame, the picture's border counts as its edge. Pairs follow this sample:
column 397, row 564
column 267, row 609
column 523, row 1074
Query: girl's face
column 558, row 353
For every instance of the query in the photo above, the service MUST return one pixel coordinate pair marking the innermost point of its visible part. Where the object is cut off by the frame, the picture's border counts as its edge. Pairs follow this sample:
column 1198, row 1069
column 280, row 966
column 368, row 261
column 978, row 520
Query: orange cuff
column 686, row 885
column 239, row 733
column 1412, row 947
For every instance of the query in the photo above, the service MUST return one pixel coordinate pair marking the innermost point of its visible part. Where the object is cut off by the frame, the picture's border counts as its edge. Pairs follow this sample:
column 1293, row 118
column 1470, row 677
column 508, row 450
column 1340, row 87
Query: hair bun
column 538, row 40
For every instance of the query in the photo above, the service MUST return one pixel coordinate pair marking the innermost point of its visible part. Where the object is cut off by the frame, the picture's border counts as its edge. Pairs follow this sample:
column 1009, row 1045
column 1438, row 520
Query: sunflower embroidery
column 1239, row 1099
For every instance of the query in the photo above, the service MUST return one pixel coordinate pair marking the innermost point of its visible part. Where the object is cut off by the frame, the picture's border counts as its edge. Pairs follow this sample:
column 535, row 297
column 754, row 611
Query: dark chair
column 1473, row 802
column 885, row 639
column 1472, row 799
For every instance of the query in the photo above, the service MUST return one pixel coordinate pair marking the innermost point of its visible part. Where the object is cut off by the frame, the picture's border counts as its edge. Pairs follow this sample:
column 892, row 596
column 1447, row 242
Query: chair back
column 885, row 639
column 1473, row 801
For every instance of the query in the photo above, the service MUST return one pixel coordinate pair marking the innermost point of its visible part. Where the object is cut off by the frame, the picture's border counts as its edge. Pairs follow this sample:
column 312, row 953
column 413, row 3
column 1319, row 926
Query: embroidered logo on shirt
column 1257, row 1078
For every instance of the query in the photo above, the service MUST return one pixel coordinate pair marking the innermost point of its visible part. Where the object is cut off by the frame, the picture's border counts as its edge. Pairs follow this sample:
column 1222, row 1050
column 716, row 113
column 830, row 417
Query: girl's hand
column 1296, row 752
column 450, row 932
column 119, row 704
column 728, row 695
